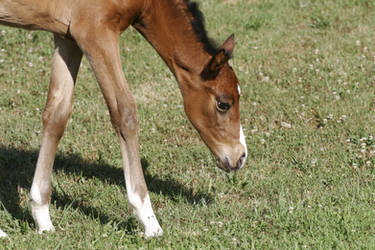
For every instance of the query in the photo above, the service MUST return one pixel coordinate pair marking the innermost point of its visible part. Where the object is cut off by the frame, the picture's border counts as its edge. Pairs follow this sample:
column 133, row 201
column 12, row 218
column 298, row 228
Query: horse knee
column 129, row 120
column 55, row 118
column 124, row 120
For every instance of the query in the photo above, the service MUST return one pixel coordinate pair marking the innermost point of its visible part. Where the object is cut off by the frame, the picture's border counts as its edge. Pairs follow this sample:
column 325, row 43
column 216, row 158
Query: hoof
column 46, row 229
column 155, row 232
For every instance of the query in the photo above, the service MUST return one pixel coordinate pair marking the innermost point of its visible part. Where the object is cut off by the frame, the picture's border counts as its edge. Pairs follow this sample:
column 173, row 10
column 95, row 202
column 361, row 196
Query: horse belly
column 34, row 14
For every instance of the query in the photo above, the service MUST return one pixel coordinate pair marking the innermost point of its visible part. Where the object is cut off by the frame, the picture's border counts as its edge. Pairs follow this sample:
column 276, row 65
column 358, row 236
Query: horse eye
column 222, row 106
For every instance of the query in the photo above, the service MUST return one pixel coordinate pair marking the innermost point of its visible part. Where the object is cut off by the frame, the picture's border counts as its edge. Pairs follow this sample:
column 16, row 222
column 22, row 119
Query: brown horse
column 175, row 29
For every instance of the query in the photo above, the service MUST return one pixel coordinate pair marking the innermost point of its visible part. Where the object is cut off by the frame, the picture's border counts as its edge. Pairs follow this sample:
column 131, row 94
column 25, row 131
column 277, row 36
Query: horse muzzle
column 228, row 166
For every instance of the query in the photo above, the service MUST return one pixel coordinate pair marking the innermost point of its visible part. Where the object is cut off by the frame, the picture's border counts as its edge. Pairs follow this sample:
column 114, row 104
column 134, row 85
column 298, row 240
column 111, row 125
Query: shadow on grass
column 17, row 169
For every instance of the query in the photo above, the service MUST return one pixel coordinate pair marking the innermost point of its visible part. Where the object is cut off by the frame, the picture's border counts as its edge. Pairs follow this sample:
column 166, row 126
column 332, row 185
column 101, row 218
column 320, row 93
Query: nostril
column 227, row 165
column 241, row 161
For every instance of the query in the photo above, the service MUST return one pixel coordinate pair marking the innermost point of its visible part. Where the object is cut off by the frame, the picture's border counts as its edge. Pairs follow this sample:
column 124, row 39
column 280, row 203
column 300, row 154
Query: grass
column 306, row 69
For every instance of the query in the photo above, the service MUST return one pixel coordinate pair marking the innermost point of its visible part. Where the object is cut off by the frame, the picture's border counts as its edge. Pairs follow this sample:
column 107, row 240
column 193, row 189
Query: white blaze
column 243, row 142
column 242, row 136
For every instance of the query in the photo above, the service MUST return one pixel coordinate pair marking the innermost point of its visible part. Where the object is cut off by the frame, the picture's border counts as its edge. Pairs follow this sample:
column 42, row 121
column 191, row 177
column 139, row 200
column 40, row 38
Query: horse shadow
column 17, row 168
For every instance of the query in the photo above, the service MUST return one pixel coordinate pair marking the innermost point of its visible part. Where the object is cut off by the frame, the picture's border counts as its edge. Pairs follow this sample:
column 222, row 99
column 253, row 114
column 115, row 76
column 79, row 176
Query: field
column 307, row 74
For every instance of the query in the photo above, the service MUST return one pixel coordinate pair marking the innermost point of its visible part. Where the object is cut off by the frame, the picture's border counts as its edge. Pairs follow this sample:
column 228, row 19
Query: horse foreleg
column 66, row 61
column 102, row 50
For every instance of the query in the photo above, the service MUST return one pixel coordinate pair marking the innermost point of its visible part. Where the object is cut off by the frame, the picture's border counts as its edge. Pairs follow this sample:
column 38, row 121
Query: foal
column 175, row 29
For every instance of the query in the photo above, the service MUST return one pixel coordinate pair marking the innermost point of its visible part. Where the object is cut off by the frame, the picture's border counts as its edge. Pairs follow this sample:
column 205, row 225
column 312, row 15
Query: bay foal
column 175, row 29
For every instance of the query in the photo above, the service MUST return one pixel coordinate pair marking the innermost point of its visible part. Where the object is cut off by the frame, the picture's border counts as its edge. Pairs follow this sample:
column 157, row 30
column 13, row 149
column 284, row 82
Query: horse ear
column 212, row 69
column 228, row 45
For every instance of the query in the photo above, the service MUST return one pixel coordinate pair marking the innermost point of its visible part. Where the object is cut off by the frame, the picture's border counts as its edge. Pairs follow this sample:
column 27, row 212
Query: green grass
column 308, row 63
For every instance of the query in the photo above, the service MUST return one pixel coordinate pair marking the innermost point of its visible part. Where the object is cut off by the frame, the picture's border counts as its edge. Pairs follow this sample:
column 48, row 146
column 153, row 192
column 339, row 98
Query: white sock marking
column 145, row 214
column 40, row 211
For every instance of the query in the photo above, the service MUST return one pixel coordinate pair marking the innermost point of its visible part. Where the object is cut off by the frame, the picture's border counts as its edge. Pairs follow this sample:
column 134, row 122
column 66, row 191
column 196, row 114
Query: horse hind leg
column 66, row 61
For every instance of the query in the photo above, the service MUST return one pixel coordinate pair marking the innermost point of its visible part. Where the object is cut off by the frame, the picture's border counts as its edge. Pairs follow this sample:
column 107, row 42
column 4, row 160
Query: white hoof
column 49, row 228
column 2, row 234
column 153, row 230
column 42, row 218
column 145, row 214
column 40, row 211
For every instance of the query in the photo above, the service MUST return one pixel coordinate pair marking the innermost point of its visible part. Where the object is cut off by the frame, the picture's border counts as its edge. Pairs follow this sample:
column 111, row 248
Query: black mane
column 199, row 28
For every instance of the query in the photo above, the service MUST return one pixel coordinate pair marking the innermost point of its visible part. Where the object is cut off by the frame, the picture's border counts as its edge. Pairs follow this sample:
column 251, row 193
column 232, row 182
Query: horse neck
column 167, row 25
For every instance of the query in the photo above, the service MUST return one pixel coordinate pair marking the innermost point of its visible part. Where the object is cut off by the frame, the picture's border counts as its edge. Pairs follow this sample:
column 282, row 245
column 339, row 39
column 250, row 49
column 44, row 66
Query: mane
column 197, row 22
